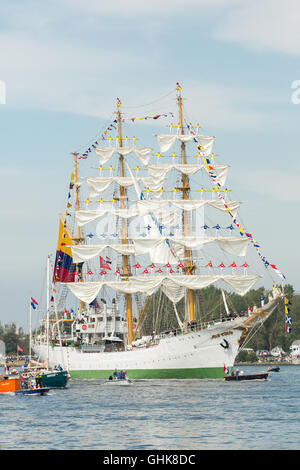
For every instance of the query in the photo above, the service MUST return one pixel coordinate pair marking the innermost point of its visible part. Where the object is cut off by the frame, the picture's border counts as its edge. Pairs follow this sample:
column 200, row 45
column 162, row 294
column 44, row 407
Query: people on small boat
column 118, row 375
column 33, row 384
column 273, row 369
column 236, row 373
column 38, row 381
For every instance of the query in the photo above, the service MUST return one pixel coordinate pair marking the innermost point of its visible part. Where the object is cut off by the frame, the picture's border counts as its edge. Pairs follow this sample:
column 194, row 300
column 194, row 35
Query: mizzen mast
column 126, row 271
column 189, row 267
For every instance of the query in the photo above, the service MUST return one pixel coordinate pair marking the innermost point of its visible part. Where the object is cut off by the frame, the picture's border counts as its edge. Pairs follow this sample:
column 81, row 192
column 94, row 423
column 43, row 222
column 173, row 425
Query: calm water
column 157, row 415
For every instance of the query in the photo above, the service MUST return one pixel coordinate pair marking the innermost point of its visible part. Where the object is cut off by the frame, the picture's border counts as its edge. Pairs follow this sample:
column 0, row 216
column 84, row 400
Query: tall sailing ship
column 139, row 242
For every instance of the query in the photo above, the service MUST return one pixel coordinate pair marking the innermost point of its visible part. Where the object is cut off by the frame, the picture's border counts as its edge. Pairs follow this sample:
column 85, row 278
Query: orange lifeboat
column 9, row 384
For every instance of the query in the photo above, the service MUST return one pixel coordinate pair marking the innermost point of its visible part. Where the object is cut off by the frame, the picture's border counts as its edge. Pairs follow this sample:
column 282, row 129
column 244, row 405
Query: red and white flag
column 104, row 263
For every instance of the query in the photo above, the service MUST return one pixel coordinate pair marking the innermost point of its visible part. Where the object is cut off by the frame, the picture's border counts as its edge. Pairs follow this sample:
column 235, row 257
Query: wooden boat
column 9, row 384
column 239, row 377
column 32, row 391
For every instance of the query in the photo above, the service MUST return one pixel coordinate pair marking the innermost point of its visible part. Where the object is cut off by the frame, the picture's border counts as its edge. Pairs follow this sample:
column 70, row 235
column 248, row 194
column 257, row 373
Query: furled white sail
column 83, row 217
column 145, row 207
column 166, row 141
column 155, row 247
column 97, row 185
column 164, row 251
column 160, row 170
column 81, row 253
column 88, row 291
column 188, row 205
column 233, row 245
column 105, row 153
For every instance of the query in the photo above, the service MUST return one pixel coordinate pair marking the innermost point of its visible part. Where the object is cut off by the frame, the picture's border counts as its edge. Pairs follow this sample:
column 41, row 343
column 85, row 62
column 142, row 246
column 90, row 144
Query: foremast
column 188, row 267
column 79, row 238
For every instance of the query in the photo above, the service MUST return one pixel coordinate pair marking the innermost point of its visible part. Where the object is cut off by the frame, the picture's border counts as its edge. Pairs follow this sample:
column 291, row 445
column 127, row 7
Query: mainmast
column 185, row 222
column 126, row 272
column 75, row 154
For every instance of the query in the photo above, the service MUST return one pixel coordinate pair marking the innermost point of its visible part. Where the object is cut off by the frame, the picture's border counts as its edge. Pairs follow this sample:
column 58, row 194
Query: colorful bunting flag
column 288, row 318
column 105, row 263
column 218, row 187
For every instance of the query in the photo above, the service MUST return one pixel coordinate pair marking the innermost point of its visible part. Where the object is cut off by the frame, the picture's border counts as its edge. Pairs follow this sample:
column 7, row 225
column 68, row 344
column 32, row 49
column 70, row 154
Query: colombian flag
column 64, row 268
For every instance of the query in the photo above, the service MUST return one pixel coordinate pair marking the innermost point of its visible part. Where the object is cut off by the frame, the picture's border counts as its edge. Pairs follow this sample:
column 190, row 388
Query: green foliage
column 246, row 356
column 12, row 337
column 209, row 305
column 273, row 332
column 160, row 316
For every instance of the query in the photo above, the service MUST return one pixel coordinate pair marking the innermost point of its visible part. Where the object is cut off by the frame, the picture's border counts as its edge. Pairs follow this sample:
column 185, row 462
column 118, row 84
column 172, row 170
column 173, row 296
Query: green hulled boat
column 55, row 379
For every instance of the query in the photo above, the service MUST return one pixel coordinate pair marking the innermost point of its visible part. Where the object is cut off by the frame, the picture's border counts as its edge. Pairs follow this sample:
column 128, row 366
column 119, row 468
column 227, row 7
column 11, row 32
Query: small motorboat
column 32, row 391
column 274, row 369
column 239, row 377
column 122, row 382
column 119, row 378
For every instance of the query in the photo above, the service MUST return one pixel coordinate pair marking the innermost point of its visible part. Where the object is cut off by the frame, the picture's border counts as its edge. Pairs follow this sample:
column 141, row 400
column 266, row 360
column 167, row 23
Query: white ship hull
column 192, row 355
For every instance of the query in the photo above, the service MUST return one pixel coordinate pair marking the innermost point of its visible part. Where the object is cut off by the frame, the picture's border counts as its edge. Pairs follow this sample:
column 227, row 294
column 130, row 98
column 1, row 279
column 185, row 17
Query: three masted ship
column 135, row 256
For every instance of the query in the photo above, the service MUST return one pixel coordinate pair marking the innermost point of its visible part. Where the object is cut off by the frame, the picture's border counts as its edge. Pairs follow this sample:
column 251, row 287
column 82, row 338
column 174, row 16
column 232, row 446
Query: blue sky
column 65, row 62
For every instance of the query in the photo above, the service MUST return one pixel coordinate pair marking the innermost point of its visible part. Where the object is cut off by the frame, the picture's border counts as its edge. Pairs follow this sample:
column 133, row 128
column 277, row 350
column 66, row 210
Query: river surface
column 158, row 415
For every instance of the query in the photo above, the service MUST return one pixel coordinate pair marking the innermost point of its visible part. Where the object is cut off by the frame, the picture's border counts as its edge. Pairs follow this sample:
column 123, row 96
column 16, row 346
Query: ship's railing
column 194, row 326
column 191, row 327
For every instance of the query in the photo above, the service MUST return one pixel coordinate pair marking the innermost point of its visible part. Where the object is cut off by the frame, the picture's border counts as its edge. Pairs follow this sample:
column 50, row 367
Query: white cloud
column 277, row 184
column 47, row 67
column 57, row 76
column 217, row 106
column 155, row 7
column 263, row 24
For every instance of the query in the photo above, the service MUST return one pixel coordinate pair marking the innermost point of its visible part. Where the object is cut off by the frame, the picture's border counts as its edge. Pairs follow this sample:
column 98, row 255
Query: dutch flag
column 33, row 303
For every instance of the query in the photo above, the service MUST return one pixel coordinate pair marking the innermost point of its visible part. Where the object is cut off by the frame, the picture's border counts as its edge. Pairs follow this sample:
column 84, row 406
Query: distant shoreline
column 271, row 363
column 13, row 363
